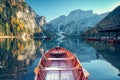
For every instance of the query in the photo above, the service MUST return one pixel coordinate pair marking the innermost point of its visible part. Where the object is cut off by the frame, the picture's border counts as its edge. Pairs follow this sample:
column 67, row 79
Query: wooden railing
column 110, row 28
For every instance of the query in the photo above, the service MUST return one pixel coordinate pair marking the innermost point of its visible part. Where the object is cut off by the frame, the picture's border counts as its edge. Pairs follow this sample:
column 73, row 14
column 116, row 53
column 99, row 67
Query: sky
column 54, row 8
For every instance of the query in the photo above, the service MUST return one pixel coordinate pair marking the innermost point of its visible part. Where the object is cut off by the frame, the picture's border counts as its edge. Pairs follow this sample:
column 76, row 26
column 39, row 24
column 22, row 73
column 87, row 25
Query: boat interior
column 60, row 65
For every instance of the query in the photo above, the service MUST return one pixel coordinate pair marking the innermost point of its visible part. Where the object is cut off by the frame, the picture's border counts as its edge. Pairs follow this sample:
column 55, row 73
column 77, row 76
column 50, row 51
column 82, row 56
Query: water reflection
column 15, row 56
column 110, row 52
column 101, row 70
column 76, row 46
column 99, row 58
column 18, row 58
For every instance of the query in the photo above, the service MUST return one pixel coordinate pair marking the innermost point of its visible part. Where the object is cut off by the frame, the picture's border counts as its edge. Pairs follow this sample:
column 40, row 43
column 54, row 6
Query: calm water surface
column 18, row 58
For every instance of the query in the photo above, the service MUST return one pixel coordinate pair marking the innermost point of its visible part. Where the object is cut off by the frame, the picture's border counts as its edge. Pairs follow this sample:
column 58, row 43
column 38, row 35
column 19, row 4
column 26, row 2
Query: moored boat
column 93, row 39
column 60, row 64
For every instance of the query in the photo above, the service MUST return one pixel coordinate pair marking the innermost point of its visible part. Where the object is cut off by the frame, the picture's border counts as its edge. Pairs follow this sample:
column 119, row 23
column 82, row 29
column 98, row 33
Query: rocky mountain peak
column 41, row 20
column 76, row 22
column 79, row 12
column 77, row 15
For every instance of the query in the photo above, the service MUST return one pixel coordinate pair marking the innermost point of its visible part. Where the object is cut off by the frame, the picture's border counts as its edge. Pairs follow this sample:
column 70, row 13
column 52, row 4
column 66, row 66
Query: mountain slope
column 113, row 18
column 76, row 22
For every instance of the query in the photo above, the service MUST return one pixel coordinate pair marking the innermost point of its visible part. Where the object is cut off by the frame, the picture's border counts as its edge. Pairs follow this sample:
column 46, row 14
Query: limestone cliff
column 41, row 20
column 17, row 18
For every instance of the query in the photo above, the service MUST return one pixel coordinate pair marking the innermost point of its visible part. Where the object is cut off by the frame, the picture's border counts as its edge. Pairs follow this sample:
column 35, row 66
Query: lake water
column 18, row 58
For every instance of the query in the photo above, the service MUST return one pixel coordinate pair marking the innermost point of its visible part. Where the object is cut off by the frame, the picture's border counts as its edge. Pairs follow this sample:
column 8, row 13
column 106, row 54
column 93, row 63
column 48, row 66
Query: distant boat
column 60, row 64
column 112, row 41
column 46, row 37
column 93, row 39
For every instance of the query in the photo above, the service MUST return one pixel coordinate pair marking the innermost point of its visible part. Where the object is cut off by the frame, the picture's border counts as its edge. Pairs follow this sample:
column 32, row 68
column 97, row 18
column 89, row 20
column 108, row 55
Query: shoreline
column 10, row 36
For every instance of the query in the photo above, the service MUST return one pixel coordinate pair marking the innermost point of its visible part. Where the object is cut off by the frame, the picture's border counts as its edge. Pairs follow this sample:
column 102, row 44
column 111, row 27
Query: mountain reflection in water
column 18, row 58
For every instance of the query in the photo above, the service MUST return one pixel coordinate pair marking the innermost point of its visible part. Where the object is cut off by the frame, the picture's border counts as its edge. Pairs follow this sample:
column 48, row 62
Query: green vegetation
column 112, row 19
column 10, row 25
column 8, row 9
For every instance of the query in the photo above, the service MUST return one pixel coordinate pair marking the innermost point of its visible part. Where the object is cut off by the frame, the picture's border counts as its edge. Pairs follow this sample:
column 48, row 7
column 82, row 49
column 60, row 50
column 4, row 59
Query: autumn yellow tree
column 7, row 27
column 0, row 9
column 13, row 3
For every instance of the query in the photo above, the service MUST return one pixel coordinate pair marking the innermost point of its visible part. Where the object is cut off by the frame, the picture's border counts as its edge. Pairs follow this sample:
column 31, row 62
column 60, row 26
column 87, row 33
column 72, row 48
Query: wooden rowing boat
column 60, row 64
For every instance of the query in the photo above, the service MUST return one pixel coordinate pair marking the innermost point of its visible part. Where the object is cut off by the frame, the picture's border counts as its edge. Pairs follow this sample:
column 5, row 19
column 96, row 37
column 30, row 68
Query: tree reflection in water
column 15, row 56
column 110, row 52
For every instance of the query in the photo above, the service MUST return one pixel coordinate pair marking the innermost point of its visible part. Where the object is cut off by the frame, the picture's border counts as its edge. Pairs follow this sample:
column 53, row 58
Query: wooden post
column 116, row 36
column 109, row 35
column 98, row 35
column 106, row 35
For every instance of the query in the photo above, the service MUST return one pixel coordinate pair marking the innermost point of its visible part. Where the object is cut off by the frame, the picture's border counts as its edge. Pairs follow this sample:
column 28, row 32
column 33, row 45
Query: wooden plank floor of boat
column 59, row 75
